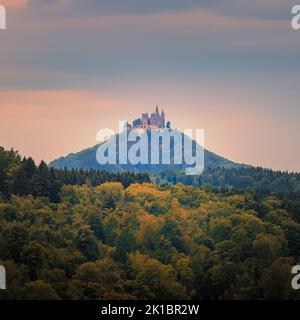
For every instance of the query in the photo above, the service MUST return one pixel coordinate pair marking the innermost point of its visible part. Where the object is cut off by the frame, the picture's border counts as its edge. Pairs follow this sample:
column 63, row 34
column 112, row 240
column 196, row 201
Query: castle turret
column 163, row 121
column 145, row 120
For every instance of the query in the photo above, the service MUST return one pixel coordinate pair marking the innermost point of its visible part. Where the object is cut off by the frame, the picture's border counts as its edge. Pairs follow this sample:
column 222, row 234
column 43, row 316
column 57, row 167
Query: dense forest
column 22, row 177
column 245, row 178
column 131, row 239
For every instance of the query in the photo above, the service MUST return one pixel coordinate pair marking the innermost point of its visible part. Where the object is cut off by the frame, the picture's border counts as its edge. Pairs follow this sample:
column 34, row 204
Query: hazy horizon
column 71, row 68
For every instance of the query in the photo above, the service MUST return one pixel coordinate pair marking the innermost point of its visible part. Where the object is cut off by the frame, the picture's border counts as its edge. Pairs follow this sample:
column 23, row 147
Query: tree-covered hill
column 74, row 234
column 86, row 159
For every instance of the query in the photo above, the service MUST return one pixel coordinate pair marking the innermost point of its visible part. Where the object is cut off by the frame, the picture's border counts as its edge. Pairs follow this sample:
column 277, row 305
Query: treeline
column 261, row 182
column 23, row 177
column 148, row 242
column 244, row 178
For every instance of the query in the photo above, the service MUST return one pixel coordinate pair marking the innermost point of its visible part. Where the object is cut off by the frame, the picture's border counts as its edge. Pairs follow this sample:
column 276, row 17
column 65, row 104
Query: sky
column 69, row 68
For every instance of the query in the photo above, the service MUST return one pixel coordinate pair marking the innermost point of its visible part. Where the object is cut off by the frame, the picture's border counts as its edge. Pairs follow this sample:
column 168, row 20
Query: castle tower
column 145, row 120
column 163, row 121
column 157, row 117
column 157, row 110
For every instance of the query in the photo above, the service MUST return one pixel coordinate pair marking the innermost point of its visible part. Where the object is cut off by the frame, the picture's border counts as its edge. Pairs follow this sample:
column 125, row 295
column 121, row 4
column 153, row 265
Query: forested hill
column 86, row 159
column 127, row 239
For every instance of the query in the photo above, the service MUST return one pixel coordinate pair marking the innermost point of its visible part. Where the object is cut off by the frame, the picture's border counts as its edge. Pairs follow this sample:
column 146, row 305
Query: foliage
column 220, row 247
column 22, row 177
column 121, row 240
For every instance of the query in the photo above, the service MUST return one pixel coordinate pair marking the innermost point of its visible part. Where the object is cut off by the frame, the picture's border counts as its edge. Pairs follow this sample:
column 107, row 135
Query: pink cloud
column 13, row 3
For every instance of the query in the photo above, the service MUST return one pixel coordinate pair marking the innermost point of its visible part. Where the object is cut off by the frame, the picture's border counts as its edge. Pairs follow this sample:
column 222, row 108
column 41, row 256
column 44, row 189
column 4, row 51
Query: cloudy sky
column 71, row 67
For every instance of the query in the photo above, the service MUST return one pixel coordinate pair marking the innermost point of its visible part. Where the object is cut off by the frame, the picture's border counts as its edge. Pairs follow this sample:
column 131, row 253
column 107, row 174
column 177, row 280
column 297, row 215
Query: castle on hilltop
column 154, row 121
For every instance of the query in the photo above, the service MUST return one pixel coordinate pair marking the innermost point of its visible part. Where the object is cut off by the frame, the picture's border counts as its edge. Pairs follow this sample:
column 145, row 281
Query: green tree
column 87, row 243
column 125, row 244
column 34, row 257
column 153, row 280
column 40, row 290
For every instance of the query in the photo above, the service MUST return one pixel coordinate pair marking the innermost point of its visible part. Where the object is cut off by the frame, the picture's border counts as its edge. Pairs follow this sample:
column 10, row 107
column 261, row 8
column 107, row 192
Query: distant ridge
column 86, row 159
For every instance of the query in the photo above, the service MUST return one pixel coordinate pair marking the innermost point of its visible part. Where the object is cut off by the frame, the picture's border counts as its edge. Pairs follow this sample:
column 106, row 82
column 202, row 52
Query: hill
column 86, row 159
